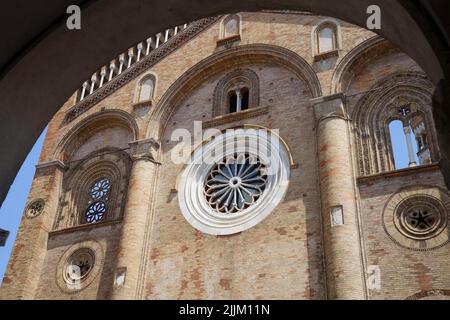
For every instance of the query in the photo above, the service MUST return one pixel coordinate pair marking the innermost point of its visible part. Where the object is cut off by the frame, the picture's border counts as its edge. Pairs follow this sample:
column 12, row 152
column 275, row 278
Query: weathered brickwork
column 149, row 251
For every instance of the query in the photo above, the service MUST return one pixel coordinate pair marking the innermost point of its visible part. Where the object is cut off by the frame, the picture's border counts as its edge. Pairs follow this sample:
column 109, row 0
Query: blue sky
column 13, row 206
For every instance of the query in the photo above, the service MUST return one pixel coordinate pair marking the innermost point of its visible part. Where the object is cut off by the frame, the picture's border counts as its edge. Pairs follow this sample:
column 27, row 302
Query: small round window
column 35, row 208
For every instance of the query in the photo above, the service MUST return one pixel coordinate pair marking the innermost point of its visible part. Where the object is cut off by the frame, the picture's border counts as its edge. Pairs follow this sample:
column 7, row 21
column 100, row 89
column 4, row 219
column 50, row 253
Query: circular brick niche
column 418, row 220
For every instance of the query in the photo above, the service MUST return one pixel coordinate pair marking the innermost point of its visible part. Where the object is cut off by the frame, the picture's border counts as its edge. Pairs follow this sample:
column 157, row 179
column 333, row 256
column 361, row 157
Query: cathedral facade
column 245, row 156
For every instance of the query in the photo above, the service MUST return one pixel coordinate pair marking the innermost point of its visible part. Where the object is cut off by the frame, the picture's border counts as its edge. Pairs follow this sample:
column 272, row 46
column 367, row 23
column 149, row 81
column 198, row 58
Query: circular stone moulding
column 79, row 266
column 35, row 208
column 417, row 221
column 234, row 181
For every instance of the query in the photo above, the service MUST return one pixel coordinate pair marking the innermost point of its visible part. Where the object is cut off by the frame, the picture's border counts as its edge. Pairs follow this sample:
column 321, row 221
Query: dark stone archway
column 42, row 63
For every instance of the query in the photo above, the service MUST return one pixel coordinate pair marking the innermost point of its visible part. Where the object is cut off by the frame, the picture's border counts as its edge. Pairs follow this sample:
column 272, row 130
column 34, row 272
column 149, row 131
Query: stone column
column 136, row 221
column 23, row 273
column 407, row 131
column 238, row 100
column 342, row 249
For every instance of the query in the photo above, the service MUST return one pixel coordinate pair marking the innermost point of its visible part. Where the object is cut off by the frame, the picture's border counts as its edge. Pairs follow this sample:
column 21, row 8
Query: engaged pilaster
column 22, row 276
column 342, row 249
column 137, row 217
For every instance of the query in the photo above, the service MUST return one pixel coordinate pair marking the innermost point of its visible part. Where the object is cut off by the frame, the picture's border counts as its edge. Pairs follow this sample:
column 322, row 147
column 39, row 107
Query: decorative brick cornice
column 155, row 56
column 236, row 116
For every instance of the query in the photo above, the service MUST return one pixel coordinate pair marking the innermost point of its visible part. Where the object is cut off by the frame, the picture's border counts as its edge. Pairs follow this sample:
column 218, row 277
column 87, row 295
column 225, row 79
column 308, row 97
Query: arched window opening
column 403, row 158
column 245, row 98
column 420, row 133
column 231, row 26
column 327, row 38
column 236, row 91
column 409, row 140
column 146, row 89
column 238, row 100
column 233, row 101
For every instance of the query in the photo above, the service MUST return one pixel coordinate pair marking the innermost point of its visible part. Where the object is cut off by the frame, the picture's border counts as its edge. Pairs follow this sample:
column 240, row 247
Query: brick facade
column 294, row 253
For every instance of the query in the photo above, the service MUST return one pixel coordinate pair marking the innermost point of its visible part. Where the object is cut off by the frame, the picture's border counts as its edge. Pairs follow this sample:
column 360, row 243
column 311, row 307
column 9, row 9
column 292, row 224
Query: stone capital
column 329, row 106
column 144, row 149
column 50, row 166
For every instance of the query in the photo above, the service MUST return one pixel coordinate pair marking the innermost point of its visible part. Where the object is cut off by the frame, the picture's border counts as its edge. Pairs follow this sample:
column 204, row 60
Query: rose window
column 98, row 194
column 420, row 219
column 95, row 212
column 235, row 183
column 79, row 264
column 100, row 189
column 35, row 208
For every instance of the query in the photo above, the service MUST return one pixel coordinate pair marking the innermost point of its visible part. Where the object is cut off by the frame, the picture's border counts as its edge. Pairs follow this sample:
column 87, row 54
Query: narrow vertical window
column 231, row 26
column 327, row 38
column 233, row 102
column 245, row 97
column 146, row 89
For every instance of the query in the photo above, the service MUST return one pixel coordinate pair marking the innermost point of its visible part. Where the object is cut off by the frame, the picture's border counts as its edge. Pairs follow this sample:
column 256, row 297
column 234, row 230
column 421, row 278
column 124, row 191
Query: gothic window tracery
column 94, row 190
column 393, row 125
column 415, row 147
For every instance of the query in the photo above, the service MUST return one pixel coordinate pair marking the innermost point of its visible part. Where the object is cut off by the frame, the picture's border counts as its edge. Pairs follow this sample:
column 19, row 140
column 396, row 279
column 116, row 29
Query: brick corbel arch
column 236, row 57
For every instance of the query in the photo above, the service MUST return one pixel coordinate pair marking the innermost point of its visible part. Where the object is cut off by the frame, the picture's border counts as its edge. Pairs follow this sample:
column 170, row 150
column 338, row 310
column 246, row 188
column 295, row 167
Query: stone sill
column 399, row 173
column 236, row 116
column 228, row 40
column 83, row 227
column 144, row 103
column 326, row 55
